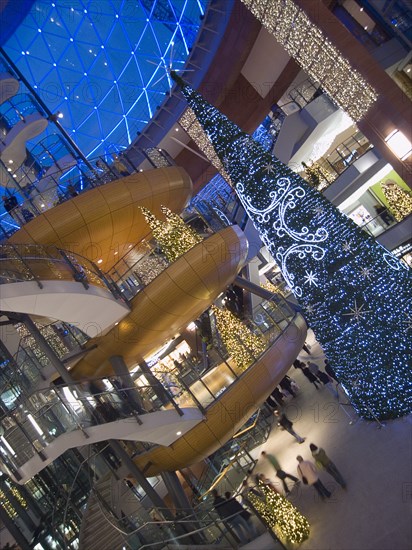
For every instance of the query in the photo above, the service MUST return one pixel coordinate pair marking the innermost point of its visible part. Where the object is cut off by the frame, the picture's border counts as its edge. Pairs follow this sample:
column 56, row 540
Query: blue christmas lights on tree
column 356, row 295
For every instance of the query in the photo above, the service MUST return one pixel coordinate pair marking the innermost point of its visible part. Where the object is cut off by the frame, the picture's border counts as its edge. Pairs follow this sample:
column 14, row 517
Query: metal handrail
column 81, row 269
column 55, row 186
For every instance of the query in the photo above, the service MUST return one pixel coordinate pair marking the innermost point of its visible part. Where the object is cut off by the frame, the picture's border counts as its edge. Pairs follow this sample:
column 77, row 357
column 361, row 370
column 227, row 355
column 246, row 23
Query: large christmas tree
column 356, row 296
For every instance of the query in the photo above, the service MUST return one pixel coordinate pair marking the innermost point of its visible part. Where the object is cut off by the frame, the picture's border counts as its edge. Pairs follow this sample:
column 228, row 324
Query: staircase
column 101, row 529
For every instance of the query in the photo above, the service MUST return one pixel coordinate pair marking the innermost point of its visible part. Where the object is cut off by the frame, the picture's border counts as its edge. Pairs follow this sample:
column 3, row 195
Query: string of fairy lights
column 241, row 343
column 316, row 55
column 289, row 525
column 173, row 236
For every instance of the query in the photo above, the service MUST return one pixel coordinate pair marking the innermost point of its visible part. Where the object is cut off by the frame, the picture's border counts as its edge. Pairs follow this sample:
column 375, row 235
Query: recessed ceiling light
column 100, row 261
column 178, row 433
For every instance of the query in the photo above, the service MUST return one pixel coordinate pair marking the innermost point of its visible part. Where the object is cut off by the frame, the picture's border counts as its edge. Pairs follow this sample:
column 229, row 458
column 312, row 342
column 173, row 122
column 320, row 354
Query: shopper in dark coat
column 311, row 377
column 224, row 510
column 287, row 425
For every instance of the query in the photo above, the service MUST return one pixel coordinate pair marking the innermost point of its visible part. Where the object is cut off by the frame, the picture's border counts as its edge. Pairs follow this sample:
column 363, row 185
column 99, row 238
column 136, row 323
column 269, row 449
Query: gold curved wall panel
column 233, row 408
column 176, row 297
column 107, row 219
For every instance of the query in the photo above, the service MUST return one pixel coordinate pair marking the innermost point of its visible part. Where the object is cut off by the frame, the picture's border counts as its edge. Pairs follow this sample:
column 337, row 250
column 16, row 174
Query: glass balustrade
column 50, row 413
column 138, row 267
column 51, row 184
column 189, row 380
column 20, row 263
column 17, row 108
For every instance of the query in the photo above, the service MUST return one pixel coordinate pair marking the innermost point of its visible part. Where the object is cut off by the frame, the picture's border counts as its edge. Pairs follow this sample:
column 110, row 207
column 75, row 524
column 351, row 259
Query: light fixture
column 59, row 114
column 11, row 161
column 399, row 144
column 116, row 253
column 8, row 446
column 178, row 433
column 35, row 425
column 307, row 44
column 100, row 261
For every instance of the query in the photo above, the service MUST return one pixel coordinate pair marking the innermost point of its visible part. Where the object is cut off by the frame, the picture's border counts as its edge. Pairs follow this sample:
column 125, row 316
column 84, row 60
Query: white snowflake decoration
column 318, row 211
column 311, row 278
column 357, row 312
column 366, row 272
column 269, row 168
column 408, row 322
column 347, row 246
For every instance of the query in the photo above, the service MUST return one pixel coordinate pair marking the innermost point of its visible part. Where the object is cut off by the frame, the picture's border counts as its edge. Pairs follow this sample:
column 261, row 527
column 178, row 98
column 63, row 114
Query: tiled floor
column 374, row 512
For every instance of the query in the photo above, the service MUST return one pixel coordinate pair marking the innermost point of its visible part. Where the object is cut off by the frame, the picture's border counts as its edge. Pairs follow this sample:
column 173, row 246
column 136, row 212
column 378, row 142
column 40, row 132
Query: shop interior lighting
column 399, row 144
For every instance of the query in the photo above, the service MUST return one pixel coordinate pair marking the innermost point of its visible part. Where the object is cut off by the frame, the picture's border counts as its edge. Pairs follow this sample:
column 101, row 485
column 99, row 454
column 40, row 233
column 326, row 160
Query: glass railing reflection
column 48, row 414
column 189, row 379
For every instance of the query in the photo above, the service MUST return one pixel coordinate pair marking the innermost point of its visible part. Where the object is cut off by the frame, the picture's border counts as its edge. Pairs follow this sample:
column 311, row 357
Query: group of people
column 308, row 471
column 316, row 376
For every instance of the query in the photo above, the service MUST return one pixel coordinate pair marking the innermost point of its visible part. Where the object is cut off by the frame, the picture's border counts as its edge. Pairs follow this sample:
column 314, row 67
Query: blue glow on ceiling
column 102, row 63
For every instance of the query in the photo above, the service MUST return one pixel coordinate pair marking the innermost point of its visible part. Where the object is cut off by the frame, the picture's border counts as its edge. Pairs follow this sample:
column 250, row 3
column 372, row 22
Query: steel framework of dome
column 102, row 65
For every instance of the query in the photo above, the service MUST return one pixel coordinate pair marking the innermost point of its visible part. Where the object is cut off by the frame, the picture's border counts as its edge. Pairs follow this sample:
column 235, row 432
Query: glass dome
column 102, row 64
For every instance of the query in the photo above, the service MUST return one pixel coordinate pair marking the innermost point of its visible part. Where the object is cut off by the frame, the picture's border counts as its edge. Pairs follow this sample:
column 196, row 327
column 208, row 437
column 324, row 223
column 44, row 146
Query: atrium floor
column 374, row 512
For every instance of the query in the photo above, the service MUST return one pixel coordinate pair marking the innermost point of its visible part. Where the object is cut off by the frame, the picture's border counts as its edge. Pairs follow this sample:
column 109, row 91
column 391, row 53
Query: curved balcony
column 55, row 420
column 169, row 302
column 104, row 222
column 52, row 283
column 229, row 396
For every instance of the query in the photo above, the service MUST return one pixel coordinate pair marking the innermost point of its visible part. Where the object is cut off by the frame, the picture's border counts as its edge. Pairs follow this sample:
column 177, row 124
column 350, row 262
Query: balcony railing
column 36, row 193
column 45, row 415
column 190, row 380
column 29, row 262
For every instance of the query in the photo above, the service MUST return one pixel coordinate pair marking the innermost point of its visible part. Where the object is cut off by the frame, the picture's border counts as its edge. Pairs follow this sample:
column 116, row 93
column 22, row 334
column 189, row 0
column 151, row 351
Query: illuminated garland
column 355, row 294
column 317, row 56
column 173, row 236
column 242, row 345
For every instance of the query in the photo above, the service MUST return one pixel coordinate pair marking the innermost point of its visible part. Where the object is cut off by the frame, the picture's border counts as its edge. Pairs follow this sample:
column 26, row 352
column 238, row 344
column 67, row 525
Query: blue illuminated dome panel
column 102, row 63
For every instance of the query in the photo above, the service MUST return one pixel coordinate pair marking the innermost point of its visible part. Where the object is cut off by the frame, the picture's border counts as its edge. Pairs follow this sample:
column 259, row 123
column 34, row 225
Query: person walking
column 324, row 462
column 327, row 381
column 287, row 425
column 313, row 367
column 309, row 475
column 311, row 377
column 236, row 508
column 286, row 384
column 281, row 474
column 224, row 511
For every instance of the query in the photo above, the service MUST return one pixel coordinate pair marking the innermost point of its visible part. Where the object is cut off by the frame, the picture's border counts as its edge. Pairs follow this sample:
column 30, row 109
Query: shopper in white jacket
column 309, row 475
